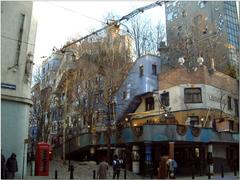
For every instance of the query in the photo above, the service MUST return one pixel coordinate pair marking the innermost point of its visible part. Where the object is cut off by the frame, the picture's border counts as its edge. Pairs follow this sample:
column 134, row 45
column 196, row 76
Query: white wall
column 10, row 26
column 209, row 95
column 16, row 102
column 213, row 99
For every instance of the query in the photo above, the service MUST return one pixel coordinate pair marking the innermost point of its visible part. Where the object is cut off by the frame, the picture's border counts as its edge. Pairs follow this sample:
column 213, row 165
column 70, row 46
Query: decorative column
column 171, row 150
column 210, row 158
column 92, row 152
column 148, row 160
column 201, row 158
column 135, row 159
column 116, row 152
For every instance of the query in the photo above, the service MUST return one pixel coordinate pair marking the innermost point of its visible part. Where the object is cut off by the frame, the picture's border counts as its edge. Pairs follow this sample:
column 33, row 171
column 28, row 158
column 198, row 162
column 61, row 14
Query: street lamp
column 202, row 121
column 69, row 148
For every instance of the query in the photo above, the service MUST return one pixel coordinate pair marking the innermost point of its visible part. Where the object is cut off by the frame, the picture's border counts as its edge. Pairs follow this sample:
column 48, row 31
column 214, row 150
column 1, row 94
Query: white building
column 18, row 32
column 200, row 97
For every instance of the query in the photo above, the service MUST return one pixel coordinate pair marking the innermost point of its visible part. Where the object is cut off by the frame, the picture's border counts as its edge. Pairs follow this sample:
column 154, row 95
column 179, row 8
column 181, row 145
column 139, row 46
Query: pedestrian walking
column 2, row 166
column 102, row 169
column 162, row 170
column 11, row 166
column 172, row 165
column 116, row 167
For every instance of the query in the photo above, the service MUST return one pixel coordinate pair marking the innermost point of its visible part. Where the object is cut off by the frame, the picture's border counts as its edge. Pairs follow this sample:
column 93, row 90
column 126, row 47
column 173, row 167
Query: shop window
column 192, row 95
column 165, row 98
column 229, row 103
column 141, row 71
column 154, row 69
column 149, row 103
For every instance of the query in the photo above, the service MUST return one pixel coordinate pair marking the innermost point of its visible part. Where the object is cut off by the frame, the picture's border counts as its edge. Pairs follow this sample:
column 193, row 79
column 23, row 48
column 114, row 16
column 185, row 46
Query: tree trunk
column 109, row 136
column 109, row 147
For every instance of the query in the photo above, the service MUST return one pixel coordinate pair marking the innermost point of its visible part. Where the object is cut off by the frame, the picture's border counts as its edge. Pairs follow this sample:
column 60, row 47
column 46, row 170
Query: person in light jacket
column 102, row 169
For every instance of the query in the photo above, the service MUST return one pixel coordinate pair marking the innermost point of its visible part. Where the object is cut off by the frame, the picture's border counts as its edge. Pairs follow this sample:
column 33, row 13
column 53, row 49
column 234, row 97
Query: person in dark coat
column 11, row 166
column 2, row 166
column 116, row 167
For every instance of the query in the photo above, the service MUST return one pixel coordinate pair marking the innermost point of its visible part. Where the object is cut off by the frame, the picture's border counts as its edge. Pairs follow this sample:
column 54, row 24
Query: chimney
column 212, row 69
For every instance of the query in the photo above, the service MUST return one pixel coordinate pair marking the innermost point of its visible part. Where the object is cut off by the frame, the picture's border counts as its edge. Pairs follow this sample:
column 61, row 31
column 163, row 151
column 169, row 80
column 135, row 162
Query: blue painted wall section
column 135, row 84
column 161, row 133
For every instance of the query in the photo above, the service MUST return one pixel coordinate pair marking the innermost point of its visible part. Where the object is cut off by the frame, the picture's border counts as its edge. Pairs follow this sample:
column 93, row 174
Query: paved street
column 84, row 170
column 228, row 176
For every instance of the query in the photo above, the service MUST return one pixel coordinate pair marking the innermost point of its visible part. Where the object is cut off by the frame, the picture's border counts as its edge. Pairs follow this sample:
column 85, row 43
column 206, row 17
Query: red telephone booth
column 42, row 159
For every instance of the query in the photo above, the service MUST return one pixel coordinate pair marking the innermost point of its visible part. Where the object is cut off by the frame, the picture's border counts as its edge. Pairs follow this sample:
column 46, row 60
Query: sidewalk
column 227, row 175
column 84, row 170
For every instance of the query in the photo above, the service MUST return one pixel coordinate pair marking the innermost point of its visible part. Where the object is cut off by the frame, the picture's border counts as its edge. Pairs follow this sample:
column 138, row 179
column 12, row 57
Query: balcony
column 156, row 133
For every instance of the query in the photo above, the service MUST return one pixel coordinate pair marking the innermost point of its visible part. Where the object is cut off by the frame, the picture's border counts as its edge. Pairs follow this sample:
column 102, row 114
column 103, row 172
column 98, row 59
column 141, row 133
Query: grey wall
column 14, row 129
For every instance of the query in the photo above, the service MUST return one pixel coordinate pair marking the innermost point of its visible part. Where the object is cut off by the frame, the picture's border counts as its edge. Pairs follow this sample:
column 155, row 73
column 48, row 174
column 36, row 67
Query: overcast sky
column 58, row 21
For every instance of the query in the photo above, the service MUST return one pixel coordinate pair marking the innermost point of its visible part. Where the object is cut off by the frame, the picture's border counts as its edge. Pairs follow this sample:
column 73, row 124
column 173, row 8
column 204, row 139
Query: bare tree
column 146, row 37
column 198, row 39
column 102, row 63
column 42, row 96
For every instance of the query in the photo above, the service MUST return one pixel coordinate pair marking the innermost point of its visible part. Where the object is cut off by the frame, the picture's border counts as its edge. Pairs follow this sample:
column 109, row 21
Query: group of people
column 103, row 168
column 9, row 168
column 167, row 168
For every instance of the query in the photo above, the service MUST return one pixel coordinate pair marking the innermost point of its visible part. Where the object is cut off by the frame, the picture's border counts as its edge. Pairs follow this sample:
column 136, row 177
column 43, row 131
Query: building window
column 165, row 98
column 149, row 103
column 128, row 91
column 231, row 125
column 229, row 103
column 236, row 107
column 124, row 94
column 141, row 71
column 192, row 95
column 154, row 69
column 202, row 4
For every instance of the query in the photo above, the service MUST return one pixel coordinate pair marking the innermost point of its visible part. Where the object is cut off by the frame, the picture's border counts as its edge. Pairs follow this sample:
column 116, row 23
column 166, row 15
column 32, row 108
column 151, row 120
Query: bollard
column 71, row 171
column 125, row 174
column 235, row 170
column 94, row 174
column 200, row 170
column 209, row 173
column 193, row 172
column 222, row 173
column 31, row 169
column 56, row 174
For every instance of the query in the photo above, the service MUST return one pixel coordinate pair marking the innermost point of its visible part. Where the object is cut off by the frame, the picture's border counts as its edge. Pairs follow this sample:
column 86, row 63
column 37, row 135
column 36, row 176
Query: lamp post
column 69, row 148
